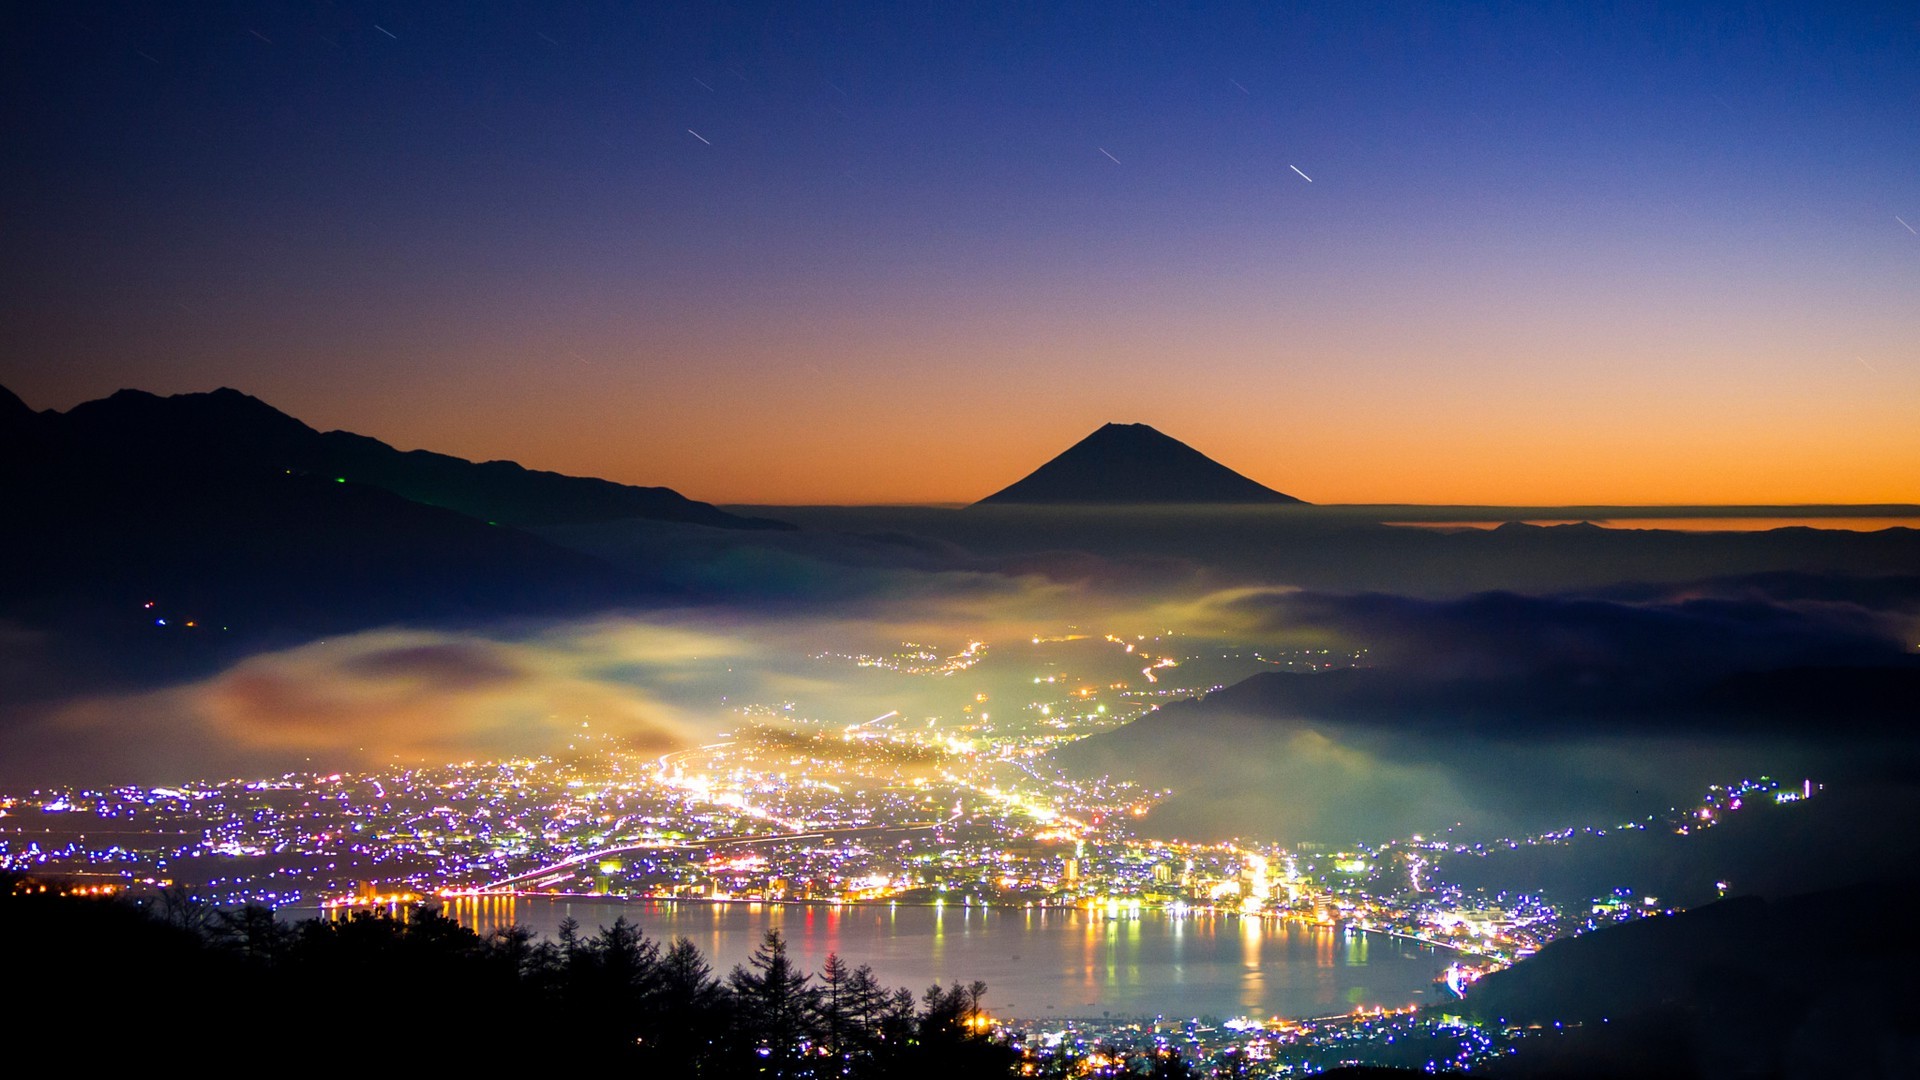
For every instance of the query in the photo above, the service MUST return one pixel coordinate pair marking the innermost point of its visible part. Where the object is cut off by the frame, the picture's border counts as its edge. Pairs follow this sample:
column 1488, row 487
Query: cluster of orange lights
column 22, row 888
column 372, row 900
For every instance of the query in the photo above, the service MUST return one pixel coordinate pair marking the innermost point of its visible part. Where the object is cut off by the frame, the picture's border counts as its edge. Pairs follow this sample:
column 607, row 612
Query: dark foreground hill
column 1133, row 465
column 1844, row 835
column 1741, row 988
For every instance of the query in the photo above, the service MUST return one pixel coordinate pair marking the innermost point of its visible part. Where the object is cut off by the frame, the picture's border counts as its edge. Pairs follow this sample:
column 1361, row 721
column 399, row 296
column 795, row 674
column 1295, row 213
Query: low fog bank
column 378, row 698
column 1507, row 714
column 639, row 682
column 97, row 632
column 1616, row 665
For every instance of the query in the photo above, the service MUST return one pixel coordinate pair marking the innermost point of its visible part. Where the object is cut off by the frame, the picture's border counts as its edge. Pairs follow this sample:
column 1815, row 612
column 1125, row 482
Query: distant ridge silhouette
column 221, row 524
column 231, row 433
column 12, row 409
column 1133, row 465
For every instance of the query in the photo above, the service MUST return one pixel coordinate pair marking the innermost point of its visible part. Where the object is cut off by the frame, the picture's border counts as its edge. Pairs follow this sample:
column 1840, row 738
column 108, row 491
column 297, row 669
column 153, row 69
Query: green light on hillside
column 339, row 479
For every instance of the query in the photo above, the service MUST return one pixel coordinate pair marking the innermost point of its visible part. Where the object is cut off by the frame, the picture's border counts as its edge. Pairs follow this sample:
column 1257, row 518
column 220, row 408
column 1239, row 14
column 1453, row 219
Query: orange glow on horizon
column 914, row 460
column 899, row 414
column 842, row 424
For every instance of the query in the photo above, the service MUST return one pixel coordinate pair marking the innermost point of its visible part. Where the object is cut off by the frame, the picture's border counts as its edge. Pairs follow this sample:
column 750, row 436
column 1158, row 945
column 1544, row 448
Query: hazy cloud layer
column 1496, row 708
column 1507, row 711
column 385, row 696
column 1509, row 639
column 645, row 683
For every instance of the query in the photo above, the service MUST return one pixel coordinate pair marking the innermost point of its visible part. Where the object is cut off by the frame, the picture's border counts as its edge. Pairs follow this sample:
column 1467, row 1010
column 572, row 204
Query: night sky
column 887, row 252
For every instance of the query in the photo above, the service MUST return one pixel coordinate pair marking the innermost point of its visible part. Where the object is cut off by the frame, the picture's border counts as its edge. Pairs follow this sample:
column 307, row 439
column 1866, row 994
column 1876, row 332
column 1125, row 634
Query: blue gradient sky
column 1598, row 253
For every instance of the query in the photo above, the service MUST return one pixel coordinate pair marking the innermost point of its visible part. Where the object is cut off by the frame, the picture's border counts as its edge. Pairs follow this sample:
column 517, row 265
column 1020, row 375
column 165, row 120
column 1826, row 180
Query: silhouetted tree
column 687, row 1032
column 610, row 983
column 176, row 905
column 950, row 1037
column 407, row 985
column 775, row 1010
column 897, row 1020
column 868, row 1000
column 838, row 1018
column 947, row 1015
column 253, row 933
column 513, row 949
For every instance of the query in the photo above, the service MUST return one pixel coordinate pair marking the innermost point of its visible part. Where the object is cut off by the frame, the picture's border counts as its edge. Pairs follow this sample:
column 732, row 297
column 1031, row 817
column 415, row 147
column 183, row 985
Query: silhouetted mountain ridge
column 12, row 409
column 149, row 538
column 1133, row 465
column 228, row 431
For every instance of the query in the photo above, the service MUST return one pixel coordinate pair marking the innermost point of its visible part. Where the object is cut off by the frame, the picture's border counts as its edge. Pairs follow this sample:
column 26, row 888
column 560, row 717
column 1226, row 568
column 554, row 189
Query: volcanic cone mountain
column 1133, row 465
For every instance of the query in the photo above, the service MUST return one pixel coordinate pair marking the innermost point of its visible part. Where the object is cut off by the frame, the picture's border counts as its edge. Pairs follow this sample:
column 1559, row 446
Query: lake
column 1037, row 963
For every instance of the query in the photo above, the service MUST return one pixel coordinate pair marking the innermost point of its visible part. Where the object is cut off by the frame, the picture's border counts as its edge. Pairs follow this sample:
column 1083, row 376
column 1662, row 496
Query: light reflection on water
column 1035, row 962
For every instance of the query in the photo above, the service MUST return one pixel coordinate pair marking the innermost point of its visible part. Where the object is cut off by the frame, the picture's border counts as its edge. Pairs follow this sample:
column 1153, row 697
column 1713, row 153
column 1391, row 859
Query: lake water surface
column 1037, row 963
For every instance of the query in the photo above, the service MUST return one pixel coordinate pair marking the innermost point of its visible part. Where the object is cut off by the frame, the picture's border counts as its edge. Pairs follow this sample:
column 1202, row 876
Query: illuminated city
column 960, row 810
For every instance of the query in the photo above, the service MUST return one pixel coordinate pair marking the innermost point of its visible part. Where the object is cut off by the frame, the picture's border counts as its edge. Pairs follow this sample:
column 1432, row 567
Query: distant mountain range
column 231, row 433
column 1133, row 465
column 202, row 525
